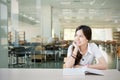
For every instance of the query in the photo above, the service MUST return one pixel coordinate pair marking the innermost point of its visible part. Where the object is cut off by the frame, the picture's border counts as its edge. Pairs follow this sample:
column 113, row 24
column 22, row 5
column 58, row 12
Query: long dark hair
column 86, row 31
column 88, row 34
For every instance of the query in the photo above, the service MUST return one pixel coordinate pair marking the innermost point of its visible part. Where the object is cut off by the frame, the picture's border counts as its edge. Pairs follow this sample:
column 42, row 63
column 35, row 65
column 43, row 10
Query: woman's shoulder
column 93, row 45
column 70, row 46
column 95, row 49
column 69, row 52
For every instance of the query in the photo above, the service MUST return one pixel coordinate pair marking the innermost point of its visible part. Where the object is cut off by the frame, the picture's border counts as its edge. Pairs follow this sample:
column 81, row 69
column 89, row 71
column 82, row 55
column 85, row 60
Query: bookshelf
column 21, row 37
column 116, row 36
column 9, row 37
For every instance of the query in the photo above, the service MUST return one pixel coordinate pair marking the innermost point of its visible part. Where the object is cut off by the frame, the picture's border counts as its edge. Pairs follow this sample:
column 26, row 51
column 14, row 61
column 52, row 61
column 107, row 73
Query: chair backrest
column 19, row 49
column 39, row 48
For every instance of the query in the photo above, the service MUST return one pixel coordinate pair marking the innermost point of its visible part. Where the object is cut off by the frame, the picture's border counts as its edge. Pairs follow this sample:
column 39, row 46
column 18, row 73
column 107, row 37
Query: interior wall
column 31, row 31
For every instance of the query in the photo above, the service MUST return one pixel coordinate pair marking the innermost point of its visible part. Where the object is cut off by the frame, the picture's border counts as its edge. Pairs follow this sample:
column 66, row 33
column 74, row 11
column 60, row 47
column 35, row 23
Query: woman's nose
column 77, row 38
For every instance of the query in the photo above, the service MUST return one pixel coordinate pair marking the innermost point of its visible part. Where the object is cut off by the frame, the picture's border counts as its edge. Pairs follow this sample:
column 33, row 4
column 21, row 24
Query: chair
column 118, row 57
column 10, row 57
column 38, row 55
column 29, row 51
column 20, row 53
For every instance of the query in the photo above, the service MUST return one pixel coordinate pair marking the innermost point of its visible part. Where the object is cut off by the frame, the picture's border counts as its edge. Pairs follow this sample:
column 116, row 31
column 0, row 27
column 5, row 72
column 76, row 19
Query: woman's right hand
column 76, row 47
column 74, row 44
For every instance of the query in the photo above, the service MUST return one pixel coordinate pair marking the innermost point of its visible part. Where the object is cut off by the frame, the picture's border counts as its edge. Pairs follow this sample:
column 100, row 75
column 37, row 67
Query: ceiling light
column 92, row 2
column 91, row 17
column 37, row 21
column 81, row 11
column 24, row 15
column 31, row 18
column 92, row 11
column 104, row 3
column 115, row 21
column 80, row 17
column 66, row 11
column 67, row 17
column 65, row 3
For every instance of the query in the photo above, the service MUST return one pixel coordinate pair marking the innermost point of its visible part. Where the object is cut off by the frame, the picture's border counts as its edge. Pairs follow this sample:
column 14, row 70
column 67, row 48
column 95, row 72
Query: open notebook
column 79, row 71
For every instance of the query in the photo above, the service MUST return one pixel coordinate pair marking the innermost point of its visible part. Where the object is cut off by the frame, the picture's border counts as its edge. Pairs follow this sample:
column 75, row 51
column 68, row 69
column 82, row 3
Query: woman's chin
column 79, row 44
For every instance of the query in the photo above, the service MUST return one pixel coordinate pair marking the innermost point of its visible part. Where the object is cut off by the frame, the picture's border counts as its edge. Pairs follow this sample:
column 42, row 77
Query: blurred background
column 37, row 33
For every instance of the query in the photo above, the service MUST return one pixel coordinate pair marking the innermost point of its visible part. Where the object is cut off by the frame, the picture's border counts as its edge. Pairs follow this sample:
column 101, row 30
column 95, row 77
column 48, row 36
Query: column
column 46, row 23
column 56, row 26
column 3, row 34
column 14, row 21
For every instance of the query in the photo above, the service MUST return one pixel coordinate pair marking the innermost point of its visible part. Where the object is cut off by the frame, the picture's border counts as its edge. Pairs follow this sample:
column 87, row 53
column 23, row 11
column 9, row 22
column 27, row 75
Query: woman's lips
column 77, row 42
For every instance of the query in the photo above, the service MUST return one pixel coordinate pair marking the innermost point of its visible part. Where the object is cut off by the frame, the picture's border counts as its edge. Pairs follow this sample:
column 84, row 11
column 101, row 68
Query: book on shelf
column 79, row 71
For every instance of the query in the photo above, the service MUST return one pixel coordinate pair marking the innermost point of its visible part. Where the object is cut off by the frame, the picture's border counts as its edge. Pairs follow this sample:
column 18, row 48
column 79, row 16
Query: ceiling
column 98, row 13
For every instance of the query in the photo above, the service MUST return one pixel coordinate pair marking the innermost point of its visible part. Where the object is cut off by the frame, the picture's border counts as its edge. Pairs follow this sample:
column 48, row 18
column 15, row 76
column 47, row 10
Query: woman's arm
column 70, row 60
column 69, row 63
column 102, row 64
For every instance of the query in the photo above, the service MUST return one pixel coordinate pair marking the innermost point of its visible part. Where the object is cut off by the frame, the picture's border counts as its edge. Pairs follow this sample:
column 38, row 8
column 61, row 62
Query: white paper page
column 94, row 71
column 81, row 71
column 73, row 71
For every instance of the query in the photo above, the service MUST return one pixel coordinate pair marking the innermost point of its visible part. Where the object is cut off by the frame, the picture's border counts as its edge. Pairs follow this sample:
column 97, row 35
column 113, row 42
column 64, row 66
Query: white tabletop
column 52, row 74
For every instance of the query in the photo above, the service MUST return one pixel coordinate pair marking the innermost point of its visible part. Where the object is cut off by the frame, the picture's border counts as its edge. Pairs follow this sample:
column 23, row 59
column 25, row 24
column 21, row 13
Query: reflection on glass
column 3, row 36
column 4, row 1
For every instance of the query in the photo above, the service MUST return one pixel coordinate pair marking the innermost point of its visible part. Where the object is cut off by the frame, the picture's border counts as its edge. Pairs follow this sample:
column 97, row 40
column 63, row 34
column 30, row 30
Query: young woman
column 82, row 53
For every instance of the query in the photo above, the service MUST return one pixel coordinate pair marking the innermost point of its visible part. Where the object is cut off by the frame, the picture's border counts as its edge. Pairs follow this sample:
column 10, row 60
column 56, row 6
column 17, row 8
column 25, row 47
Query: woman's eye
column 80, row 36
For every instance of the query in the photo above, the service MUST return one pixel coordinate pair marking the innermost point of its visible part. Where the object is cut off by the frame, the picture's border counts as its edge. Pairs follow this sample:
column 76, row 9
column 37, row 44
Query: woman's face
column 80, row 38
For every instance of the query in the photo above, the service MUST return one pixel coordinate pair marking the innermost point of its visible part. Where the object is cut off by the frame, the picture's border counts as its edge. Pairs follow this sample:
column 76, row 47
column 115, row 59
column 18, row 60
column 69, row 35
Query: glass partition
column 39, row 32
column 3, row 35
